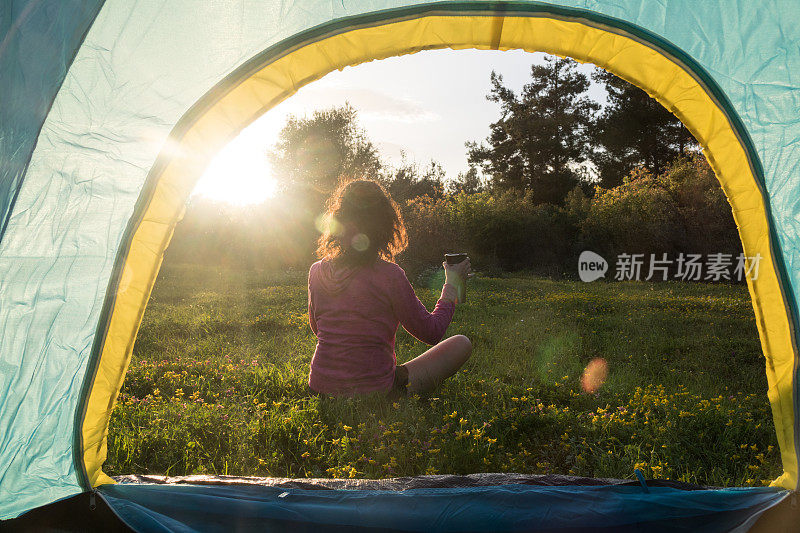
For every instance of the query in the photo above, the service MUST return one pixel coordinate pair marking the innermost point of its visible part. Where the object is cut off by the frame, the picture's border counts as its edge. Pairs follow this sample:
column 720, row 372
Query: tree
column 541, row 140
column 634, row 130
column 407, row 181
column 314, row 154
column 468, row 182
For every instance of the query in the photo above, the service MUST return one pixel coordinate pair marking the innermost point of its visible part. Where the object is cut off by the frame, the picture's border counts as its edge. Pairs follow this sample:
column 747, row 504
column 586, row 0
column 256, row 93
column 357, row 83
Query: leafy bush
column 704, row 208
column 503, row 231
column 681, row 210
column 639, row 216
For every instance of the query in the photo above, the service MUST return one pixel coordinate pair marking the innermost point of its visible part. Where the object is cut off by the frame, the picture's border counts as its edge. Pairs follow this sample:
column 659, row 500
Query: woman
column 357, row 297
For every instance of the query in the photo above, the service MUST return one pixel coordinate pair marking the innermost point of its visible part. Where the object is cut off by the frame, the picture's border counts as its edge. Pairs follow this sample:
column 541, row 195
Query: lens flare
column 360, row 242
column 595, row 375
column 327, row 224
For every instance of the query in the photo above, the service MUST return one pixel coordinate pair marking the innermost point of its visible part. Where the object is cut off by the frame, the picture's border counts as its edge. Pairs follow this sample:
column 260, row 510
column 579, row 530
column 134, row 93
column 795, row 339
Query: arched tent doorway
column 619, row 45
column 274, row 75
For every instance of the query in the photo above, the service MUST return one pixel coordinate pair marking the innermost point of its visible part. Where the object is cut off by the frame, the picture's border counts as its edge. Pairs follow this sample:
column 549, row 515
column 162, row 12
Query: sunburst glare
column 240, row 173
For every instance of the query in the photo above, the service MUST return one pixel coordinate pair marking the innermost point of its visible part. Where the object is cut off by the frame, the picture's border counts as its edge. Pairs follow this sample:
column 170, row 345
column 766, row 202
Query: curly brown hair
column 362, row 223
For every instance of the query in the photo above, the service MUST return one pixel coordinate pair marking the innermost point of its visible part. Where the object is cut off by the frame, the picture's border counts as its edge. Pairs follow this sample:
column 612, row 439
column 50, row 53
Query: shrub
column 503, row 231
column 639, row 216
column 704, row 208
column 681, row 210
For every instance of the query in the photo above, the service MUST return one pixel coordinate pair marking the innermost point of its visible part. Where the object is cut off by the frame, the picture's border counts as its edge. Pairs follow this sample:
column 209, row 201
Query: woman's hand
column 456, row 274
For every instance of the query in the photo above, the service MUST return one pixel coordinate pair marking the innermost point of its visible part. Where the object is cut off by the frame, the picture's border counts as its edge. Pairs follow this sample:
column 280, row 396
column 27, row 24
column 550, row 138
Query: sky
column 426, row 105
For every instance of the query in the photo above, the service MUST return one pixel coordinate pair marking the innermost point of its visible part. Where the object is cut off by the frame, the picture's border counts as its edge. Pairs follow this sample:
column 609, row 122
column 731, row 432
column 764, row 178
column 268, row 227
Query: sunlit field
column 218, row 385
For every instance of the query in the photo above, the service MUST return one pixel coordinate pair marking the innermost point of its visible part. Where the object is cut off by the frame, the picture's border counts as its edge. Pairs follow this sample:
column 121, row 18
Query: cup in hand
column 461, row 283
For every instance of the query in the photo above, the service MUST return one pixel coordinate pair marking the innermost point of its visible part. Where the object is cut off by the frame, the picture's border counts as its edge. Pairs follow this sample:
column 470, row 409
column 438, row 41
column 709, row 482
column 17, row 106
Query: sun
column 240, row 173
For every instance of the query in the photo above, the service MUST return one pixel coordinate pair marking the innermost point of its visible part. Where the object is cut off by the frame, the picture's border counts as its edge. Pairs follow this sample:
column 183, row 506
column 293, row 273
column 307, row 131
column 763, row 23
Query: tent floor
column 439, row 481
column 74, row 514
column 71, row 515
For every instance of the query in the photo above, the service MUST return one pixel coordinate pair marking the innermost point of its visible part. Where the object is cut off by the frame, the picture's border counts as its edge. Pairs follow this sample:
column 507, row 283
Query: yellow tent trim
column 663, row 77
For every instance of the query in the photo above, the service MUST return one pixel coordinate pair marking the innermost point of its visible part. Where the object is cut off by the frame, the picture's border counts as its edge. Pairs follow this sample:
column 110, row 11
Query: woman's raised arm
column 412, row 314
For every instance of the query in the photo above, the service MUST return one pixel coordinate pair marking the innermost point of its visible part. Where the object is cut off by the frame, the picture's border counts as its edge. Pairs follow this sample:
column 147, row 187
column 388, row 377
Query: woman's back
column 355, row 313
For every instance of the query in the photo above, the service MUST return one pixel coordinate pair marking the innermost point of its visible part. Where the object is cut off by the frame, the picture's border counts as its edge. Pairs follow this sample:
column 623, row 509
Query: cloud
column 371, row 104
column 393, row 151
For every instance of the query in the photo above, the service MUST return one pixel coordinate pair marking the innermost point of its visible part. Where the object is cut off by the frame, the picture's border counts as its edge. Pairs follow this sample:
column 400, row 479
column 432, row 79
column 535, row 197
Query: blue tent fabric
column 563, row 509
column 39, row 41
column 88, row 102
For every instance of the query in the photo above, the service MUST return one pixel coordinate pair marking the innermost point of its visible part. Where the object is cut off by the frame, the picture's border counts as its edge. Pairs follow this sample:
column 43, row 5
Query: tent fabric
column 118, row 142
column 260, row 88
column 612, row 508
column 39, row 41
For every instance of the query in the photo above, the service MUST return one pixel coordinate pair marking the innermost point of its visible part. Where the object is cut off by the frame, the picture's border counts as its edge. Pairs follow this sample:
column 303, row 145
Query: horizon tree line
column 558, row 173
column 549, row 138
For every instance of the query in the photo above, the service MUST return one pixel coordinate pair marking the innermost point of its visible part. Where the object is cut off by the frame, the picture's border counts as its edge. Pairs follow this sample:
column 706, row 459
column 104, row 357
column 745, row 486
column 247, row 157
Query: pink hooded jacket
column 355, row 313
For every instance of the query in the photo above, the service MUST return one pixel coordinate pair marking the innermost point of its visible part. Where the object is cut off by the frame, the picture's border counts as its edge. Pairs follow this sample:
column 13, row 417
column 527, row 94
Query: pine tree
column 541, row 141
column 634, row 131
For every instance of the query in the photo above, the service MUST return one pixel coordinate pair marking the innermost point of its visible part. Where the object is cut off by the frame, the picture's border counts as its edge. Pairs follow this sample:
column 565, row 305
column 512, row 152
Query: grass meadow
column 217, row 385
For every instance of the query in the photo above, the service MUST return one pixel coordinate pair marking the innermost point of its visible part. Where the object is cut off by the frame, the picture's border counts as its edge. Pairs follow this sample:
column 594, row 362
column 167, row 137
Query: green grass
column 218, row 385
